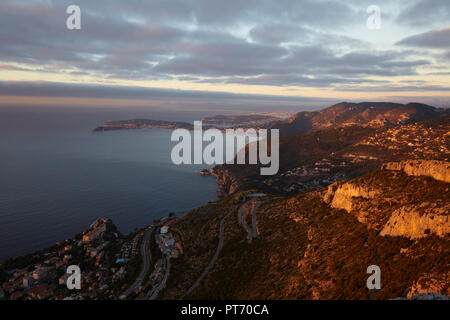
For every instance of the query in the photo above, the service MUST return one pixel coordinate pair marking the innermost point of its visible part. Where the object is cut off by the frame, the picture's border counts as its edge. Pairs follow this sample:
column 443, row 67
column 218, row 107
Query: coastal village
column 109, row 264
column 419, row 141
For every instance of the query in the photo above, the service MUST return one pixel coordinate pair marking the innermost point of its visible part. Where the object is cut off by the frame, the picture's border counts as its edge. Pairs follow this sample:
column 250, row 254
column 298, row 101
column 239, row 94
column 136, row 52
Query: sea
column 57, row 176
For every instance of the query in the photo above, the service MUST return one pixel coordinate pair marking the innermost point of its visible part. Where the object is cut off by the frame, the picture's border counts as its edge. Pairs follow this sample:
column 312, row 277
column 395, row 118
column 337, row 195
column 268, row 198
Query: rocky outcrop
column 438, row 283
column 227, row 183
column 439, row 170
column 340, row 195
column 418, row 221
column 425, row 296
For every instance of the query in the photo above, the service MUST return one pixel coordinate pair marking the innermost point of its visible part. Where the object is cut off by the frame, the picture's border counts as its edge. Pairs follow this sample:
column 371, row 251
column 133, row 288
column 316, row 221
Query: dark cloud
column 435, row 39
column 164, row 99
column 390, row 87
column 261, row 42
column 70, row 90
column 425, row 13
column 313, row 66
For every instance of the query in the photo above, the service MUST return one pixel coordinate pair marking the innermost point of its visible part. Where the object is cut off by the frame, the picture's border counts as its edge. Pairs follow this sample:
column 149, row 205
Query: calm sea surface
column 57, row 176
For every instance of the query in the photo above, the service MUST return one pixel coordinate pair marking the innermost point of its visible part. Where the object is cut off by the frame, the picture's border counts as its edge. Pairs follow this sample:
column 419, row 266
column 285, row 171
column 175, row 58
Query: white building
column 164, row 229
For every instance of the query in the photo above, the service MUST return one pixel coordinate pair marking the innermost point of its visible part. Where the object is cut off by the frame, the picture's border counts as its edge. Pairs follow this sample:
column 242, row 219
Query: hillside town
column 416, row 140
column 407, row 141
column 109, row 264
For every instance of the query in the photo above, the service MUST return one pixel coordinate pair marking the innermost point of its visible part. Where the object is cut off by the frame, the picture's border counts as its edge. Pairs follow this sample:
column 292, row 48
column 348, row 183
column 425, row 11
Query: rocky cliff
column 385, row 201
column 418, row 221
column 439, row 170
column 225, row 180
column 340, row 195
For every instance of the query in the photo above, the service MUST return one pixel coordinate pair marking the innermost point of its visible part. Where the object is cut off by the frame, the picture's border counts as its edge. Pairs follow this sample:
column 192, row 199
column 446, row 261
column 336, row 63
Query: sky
column 277, row 53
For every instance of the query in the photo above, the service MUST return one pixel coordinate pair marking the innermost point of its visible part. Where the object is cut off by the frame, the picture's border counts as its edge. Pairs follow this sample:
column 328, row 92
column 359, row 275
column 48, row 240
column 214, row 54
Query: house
column 168, row 241
column 19, row 273
column 164, row 229
column 95, row 233
column 27, row 281
column 40, row 274
column 97, row 230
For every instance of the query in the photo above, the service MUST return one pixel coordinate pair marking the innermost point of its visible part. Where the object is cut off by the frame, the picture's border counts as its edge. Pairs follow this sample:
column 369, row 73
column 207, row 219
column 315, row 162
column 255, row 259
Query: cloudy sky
column 310, row 50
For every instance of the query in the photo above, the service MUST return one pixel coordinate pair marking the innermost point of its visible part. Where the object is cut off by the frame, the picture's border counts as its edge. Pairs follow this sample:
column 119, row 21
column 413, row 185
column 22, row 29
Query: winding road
column 251, row 232
column 145, row 265
column 153, row 293
column 242, row 222
column 214, row 258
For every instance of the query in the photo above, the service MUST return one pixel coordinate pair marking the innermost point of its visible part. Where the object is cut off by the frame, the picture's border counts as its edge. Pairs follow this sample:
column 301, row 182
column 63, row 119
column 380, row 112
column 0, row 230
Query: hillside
column 318, row 158
column 367, row 114
column 318, row 244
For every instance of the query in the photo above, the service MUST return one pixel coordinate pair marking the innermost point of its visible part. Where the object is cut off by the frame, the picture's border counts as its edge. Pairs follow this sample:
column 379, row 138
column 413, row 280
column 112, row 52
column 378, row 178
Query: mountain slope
column 371, row 114
column 308, row 248
column 317, row 158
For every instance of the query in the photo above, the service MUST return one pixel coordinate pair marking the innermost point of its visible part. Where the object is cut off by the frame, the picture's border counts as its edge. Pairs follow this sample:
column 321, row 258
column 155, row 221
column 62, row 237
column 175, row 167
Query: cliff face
column 407, row 199
column 227, row 183
column 439, row 170
column 340, row 195
column 409, row 222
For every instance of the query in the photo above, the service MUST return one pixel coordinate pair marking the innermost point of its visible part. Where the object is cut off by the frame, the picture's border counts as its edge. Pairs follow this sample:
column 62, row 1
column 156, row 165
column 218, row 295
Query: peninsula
column 141, row 124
